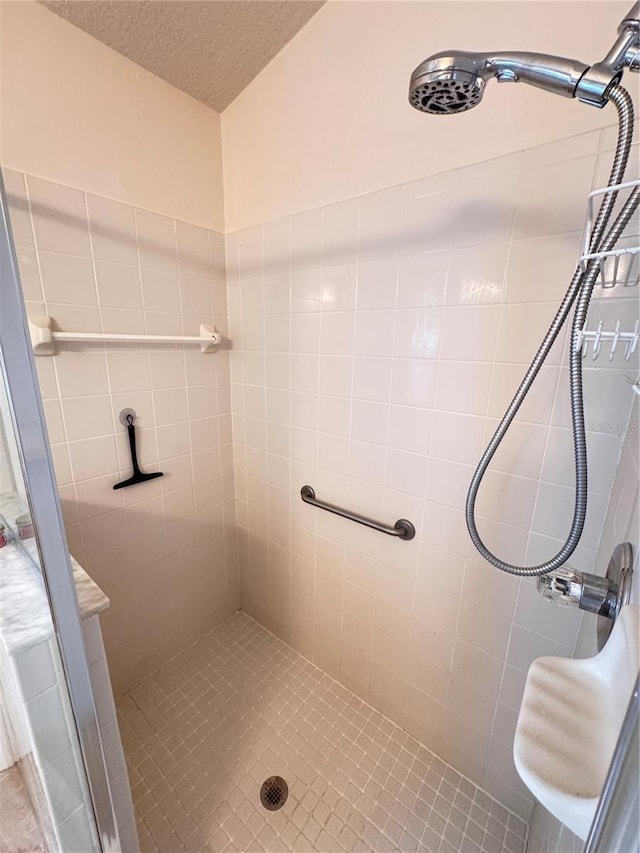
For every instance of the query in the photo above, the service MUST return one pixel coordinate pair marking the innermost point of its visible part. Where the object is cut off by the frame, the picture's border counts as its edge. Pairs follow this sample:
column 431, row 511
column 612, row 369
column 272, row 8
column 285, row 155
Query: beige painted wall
column 76, row 112
column 328, row 118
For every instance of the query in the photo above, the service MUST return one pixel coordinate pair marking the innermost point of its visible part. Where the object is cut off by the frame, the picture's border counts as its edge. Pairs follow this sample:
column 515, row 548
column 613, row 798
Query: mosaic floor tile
column 203, row 733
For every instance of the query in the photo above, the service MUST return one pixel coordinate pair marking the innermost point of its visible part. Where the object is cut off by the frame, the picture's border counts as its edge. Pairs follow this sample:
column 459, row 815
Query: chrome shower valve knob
column 570, row 588
column 563, row 586
column 603, row 596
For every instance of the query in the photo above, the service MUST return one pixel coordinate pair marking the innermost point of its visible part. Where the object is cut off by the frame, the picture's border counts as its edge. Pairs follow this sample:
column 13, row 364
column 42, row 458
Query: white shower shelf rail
column 599, row 336
column 618, row 266
column 44, row 339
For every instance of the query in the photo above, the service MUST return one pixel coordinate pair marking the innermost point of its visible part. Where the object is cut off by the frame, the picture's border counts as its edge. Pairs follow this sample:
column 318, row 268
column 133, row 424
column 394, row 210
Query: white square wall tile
column 374, row 333
column 413, row 382
column 157, row 248
column 55, row 424
column 531, row 613
column 118, row 285
column 334, row 415
column 21, row 226
column 427, row 213
column 196, row 295
column 381, row 229
column 74, row 318
column 372, row 378
column 525, row 646
column 422, row 279
column 522, row 329
column 306, row 290
column 478, row 669
column 277, row 246
column 551, row 199
column 59, row 217
column 377, row 284
column 367, row 462
column 47, row 378
column 87, row 417
column 490, row 636
column 554, row 512
column 35, row 670
column 470, row 333
column 340, row 224
column 473, row 705
column 335, row 375
column 541, row 268
column 484, row 212
column 337, row 333
column 339, row 287
column 444, row 527
column 476, row 274
column 193, row 253
column 496, row 592
column 417, row 333
column 306, row 240
column 113, row 236
column 160, row 291
column 439, row 611
column 123, row 321
column 128, row 371
column 29, row 274
column 369, row 421
column 67, row 278
column 93, row 457
column 463, row 386
column 448, row 482
column 81, row 374
column 456, row 436
column 410, row 428
column 507, row 498
column 167, row 369
column 48, row 723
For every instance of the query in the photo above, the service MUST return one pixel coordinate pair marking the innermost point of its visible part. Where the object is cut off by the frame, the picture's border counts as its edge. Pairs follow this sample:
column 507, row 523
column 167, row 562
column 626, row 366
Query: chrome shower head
column 452, row 82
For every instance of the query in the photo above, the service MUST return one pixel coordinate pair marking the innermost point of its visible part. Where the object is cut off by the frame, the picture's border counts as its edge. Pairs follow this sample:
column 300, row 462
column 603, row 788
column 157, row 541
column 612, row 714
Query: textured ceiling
column 210, row 49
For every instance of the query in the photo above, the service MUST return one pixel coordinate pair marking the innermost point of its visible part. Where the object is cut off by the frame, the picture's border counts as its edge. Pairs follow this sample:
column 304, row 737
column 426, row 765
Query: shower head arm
column 553, row 73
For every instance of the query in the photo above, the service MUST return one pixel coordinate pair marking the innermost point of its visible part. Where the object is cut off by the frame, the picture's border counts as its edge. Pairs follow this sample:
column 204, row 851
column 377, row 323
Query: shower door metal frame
column 615, row 825
column 27, row 414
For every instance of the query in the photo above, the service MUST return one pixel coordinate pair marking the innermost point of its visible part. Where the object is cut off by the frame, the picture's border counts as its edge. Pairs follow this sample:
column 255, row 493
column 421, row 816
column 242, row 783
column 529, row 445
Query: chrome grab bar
column 403, row 529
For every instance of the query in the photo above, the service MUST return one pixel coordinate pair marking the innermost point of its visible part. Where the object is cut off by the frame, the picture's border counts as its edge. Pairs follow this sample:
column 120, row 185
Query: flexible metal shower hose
column 581, row 288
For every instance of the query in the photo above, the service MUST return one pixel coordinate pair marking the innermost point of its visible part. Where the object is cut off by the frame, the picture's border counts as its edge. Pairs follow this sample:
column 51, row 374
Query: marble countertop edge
column 25, row 616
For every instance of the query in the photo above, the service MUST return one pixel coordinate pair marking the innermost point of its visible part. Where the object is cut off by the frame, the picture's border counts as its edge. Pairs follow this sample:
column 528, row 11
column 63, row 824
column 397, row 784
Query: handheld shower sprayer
column 452, row 82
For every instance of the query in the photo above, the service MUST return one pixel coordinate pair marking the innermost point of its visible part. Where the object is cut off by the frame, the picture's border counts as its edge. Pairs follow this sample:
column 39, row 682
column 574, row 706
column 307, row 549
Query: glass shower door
column 52, row 767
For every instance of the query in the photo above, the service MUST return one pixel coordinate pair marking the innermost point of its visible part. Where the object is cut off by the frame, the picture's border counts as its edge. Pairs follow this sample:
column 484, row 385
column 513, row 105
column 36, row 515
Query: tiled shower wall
column 548, row 835
column 164, row 551
column 375, row 343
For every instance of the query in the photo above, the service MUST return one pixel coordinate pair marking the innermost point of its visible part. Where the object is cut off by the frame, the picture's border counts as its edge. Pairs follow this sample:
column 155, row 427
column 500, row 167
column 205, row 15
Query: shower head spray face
column 448, row 92
column 446, row 84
